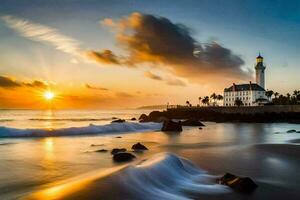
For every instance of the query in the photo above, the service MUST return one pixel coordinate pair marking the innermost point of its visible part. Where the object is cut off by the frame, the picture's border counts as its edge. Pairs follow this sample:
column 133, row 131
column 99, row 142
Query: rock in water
column 192, row 122
column 118, row 121
column 240, row 184
column 170, row 125
column 143, row 118
column 123, row 157
column 291, row 131
column 116, row 150
column 133, row 119
column 139, row 146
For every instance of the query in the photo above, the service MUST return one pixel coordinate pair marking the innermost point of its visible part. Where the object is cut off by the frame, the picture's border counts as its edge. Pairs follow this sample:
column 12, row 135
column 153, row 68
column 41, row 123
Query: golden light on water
column 49, row 95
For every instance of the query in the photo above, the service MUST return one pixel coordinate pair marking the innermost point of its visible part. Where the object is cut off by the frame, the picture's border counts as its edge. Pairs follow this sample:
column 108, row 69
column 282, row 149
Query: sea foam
column 87, row 130
column 168, row 176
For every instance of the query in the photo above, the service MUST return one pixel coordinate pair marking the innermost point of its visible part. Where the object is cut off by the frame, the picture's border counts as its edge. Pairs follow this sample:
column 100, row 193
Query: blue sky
column 243, row 26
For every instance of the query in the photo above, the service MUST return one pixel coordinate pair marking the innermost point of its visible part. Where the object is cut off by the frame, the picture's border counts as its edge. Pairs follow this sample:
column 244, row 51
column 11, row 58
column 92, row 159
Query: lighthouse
column 260, row 71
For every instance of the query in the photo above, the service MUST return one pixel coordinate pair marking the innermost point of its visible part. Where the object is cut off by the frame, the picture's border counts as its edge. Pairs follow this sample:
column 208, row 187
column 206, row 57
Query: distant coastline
column 151, row 107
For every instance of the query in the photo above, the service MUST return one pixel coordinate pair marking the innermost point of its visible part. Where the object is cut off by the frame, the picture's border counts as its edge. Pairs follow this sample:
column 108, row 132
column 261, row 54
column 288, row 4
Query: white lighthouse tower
column 260, row 71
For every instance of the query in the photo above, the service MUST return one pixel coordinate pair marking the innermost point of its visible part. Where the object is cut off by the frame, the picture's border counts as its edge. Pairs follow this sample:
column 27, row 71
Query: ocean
column 53, row 155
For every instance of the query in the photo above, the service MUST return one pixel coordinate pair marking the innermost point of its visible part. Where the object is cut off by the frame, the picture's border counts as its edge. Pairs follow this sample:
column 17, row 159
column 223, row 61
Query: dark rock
column 123, row 157
column 116, row 150
column 95, row 145
column 291, row 131
column 170, row 125
column 143, row 118
column 192, row 122
column 200, row 128
column 114, row 118
column 297, row 131
column 133, row 119
column 118, row 121
column 240, row 184
column 161, row 119
column 139, row 146
column 154, row 116
column 101, row 150
column 118, row 137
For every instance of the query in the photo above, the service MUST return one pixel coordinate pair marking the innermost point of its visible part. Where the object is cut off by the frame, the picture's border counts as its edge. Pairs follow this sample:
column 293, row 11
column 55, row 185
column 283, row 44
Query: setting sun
column 49, row 95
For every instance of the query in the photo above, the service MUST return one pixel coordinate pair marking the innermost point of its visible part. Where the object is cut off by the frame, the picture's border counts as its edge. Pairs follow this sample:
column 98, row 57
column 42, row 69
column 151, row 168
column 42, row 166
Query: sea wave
column 168, row 176
column 163, row 176
column 87, row 130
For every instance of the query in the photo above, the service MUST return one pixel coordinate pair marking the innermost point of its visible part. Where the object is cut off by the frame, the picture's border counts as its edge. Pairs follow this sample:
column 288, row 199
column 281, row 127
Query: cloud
column 6, row 82
column 41, row 33
column 152, row 39
column 95, row 87
column 124, row 94
column 37, row 84
column 9, row 83
column 51, row 36
column 105, row 56
column 153, row 76
column 176, row 82
column 167, row 80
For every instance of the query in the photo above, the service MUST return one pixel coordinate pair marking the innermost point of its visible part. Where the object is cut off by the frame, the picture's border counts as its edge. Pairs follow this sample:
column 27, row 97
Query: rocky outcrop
column 143, row 118
column 291, row 131
column 154, row 116
column 240, row 184
column 101, row 150
column 117, row 150
column 170, row 125
column 123, row 157
column 118, row 121
column 133, row 119
column 192, row 122
column 138, row 146
column 215, row 114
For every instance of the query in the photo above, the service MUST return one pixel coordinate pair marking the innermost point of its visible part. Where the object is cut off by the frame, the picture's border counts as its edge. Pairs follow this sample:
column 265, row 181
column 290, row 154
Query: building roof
column 244, row 87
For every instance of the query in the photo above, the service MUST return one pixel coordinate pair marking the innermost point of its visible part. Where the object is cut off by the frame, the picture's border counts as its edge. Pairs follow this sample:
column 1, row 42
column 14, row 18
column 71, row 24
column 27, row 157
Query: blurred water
column 53, row 119
column 31, row 164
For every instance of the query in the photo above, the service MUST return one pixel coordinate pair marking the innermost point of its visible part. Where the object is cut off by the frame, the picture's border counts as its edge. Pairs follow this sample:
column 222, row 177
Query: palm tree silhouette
column 214, row 97
column 205, row 100
column 219, row 97
column 199, row 98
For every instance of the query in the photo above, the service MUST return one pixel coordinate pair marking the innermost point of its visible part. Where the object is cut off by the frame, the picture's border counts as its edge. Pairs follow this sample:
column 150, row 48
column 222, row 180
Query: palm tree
column 219, row 97
column 205, row 100
column 269, row 94
column 187, row 103
column 288, row 95
column 199, row 98
column 276, row 94
column 214, row 97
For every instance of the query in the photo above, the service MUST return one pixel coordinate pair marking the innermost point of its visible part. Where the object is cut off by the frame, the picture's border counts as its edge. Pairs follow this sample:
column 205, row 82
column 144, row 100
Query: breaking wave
column 164, row 176
column 87, row 130
column 167, row 176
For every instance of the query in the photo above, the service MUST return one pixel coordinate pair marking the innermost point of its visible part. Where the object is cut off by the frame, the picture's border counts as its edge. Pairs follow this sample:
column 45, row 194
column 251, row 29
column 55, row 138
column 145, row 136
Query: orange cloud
column 9, row 83
column 105, row 56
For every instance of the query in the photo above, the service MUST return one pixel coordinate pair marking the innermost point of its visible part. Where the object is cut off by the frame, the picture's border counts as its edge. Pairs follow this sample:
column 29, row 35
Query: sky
column 130, row 53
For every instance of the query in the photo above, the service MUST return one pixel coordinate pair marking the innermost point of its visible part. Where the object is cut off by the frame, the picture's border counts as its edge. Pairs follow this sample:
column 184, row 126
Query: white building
column 251, row 94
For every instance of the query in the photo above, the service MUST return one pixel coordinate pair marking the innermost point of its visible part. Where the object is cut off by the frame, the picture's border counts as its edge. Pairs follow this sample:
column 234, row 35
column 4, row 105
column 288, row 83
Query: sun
column 48, row 95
